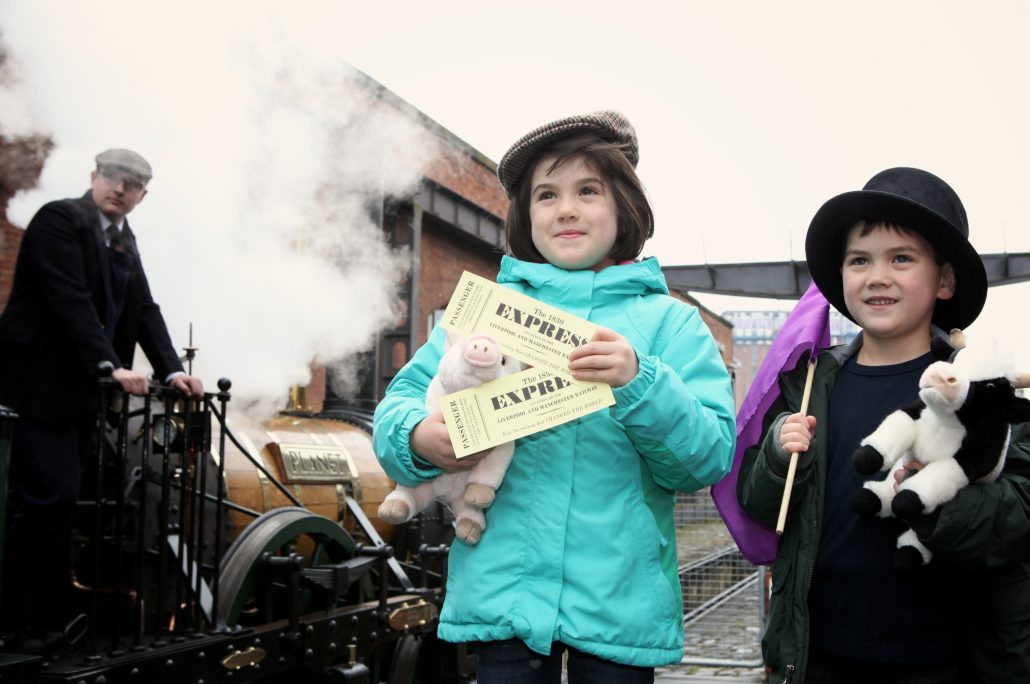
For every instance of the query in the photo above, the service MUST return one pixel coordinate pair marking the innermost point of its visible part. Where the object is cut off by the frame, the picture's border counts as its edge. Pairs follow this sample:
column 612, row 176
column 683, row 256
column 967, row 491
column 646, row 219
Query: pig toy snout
column 482, row 351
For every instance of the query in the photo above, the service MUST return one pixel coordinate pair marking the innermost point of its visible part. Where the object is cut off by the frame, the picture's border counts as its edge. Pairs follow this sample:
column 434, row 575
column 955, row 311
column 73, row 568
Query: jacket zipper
column 792, row 668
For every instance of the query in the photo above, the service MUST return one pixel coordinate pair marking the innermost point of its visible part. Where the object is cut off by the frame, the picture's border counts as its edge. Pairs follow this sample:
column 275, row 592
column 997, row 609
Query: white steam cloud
column 270, row 155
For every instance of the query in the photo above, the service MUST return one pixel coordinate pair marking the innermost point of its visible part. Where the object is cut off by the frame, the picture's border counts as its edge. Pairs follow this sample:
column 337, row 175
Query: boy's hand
column 910, row 469
column 430, row 441
column 607, row 357
column 797, row 433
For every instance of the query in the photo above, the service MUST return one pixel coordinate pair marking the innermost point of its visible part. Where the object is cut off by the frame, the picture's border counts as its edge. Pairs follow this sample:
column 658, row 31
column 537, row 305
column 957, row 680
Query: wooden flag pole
column 794, row 456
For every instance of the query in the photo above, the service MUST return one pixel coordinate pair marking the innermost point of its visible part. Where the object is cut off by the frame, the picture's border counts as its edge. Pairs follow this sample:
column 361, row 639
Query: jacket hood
column 637, row 278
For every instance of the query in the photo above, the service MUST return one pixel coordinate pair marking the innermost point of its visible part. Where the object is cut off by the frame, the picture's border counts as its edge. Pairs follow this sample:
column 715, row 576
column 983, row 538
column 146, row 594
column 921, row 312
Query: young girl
column 579, row 554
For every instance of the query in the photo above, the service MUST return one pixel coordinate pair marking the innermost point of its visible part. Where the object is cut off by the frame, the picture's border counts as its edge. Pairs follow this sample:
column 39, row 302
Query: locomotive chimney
column 298, row 399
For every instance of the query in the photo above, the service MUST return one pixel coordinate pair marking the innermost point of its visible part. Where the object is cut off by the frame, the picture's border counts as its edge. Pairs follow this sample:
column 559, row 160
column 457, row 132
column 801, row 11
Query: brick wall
column 10, row 241
column 21, row 162
column 470, row 177
column 445, row 254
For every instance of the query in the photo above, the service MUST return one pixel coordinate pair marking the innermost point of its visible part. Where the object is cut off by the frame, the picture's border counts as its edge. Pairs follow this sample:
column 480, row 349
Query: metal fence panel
column 723, row 594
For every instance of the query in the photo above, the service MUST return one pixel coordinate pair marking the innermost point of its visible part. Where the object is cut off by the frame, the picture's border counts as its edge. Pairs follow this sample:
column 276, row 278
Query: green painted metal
column 270, row 533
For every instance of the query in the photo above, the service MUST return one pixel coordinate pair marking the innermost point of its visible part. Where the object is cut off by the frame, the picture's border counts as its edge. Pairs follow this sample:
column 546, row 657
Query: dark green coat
column 984, row 533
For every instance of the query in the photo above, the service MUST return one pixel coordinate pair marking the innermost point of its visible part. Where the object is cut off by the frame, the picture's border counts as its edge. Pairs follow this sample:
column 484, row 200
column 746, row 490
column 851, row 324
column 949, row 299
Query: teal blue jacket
column 580, row 544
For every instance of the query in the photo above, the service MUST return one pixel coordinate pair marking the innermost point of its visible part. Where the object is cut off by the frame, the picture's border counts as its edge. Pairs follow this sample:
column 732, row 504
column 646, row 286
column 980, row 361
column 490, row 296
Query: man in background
column 79, row 297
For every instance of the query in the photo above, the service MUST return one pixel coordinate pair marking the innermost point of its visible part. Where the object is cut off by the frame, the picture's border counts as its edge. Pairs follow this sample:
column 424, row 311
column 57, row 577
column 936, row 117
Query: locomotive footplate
column 193, row 563
column 325, row 646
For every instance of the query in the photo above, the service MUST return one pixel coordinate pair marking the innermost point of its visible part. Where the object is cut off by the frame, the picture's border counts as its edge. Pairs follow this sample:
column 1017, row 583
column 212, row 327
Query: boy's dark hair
column 634, row 217
column 867, row 226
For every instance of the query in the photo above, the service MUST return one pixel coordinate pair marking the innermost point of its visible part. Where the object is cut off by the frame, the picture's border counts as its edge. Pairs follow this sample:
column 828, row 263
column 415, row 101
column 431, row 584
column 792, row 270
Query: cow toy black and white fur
column 959, row 429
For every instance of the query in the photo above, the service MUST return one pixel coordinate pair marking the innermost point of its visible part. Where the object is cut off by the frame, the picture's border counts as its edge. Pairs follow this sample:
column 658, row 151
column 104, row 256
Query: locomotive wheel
column 405, row 659
column 271, row 533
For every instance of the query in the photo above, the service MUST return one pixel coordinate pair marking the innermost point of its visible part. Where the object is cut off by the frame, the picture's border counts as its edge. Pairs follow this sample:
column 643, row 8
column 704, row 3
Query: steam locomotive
column 212, row 548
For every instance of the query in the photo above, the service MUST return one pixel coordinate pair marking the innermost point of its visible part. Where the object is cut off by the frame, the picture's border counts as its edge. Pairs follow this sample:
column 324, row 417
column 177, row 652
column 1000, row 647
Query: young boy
column 896, row 259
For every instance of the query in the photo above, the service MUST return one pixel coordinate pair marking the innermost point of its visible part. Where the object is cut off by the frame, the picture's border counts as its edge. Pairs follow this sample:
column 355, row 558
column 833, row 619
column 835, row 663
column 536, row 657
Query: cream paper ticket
column 517, row 405
column 535, row 333
column 535, row 399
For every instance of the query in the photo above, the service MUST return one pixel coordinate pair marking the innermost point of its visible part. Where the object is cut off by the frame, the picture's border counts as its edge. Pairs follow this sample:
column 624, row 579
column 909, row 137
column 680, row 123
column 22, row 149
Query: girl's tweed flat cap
column 610, row 126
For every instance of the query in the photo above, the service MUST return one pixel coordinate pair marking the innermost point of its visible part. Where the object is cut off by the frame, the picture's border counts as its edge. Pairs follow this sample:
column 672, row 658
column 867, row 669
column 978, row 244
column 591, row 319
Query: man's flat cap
column 127, row 160
column 608, row 125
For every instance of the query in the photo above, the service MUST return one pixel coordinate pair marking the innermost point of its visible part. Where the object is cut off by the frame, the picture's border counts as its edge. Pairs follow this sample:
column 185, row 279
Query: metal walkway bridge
column 790, row 279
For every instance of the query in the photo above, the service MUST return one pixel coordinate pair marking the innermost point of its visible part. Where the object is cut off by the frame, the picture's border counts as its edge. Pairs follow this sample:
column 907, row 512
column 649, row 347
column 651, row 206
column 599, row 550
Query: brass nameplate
column 240, row 659
column 315, row 463
column 413, row 616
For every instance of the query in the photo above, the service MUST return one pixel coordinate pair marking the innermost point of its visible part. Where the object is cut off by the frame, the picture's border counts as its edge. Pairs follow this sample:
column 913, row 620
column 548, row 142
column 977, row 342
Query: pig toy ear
column 453, row 338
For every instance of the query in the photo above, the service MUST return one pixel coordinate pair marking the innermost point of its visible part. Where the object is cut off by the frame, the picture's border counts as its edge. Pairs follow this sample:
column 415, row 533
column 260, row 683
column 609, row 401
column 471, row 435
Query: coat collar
column 640, row 277
column 843, row 352
column 128, row 237
column 579, row 292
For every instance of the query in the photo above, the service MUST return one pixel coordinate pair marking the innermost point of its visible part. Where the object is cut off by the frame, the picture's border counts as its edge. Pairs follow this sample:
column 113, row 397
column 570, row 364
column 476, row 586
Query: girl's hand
column 796, row 433
column 430, row 441
column 607, row 357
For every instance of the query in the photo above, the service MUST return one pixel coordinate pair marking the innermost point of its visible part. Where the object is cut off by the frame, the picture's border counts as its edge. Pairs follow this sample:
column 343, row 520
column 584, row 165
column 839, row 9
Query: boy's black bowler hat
column 916, row 200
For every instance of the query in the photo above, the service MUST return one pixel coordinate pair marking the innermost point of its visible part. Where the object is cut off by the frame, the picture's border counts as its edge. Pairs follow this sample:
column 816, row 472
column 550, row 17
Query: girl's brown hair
column 634, row 217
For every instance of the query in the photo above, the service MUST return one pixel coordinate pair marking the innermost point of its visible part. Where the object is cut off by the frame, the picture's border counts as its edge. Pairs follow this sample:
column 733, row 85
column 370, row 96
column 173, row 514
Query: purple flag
column 807, row 328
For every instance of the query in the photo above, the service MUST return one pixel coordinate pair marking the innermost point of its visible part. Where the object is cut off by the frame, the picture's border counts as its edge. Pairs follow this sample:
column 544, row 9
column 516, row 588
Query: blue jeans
column 512, row 662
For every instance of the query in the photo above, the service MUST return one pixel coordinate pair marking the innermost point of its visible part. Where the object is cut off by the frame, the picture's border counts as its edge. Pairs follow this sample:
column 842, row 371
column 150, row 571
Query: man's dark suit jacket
column 52, row 332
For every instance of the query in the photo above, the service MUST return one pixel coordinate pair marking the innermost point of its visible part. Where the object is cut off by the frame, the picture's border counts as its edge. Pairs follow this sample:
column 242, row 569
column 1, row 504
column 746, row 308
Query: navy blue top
column 861, row 607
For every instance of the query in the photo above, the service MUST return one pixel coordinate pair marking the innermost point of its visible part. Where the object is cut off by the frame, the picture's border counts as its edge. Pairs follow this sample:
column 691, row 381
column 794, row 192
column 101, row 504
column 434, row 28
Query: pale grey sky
column 749, row 114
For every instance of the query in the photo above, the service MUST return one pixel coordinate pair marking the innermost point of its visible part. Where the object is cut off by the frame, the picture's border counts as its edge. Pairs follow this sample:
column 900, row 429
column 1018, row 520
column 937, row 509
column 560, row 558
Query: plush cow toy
column 959, row 429
column 467, row 362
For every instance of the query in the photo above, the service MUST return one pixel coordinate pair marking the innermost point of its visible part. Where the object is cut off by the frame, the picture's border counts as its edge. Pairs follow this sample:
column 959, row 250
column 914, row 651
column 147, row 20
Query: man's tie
column 114, row 237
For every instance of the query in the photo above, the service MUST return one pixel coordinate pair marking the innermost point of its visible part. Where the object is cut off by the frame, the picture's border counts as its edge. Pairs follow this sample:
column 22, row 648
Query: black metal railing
column 153, row 522
column 152, row 532
column 7, row 420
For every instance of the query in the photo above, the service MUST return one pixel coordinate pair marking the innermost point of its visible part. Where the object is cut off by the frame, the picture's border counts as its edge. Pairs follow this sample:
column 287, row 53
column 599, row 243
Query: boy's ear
column 946, row 289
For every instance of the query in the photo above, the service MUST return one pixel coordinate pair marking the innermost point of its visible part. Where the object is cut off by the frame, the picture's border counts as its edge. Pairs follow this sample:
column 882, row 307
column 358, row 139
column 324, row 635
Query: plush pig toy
column 467, row 362
column 959, row 429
